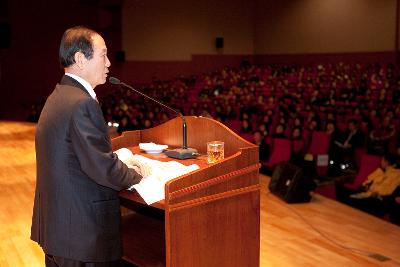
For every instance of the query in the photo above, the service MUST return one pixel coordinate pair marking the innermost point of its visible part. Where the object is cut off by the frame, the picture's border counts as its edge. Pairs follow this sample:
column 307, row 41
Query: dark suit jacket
column 76, row 212
column 357, row 140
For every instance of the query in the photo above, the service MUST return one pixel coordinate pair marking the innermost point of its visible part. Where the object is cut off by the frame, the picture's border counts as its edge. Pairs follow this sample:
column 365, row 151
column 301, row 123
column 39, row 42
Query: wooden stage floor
column 321, row 233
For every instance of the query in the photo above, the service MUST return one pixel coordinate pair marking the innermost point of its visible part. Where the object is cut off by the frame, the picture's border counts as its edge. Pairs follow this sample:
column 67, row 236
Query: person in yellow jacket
column 376, row 192
column 383, row 181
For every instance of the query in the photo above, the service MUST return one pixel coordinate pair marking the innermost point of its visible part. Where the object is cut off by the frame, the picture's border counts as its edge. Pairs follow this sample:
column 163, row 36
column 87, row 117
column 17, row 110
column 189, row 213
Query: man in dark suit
column 76, row 214
column 342, row 148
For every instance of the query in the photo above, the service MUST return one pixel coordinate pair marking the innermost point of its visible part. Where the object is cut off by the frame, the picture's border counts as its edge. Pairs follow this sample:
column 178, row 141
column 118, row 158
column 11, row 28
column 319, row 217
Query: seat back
column 248, row 137
column 281, row 149
column 298, row 146
column 319, row 143
column 234, row 125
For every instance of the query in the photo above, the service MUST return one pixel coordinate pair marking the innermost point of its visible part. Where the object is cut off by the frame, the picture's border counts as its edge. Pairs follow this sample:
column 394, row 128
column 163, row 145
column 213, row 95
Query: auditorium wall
column 166, row 38
column 328, row 26
column 29, row 67
column 329, row 30
column 267, row 30
column 177, row 29
column 255, row 27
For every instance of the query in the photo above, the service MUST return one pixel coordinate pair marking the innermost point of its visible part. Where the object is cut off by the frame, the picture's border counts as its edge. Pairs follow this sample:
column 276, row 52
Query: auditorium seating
column 368, row 164
column 341, row 91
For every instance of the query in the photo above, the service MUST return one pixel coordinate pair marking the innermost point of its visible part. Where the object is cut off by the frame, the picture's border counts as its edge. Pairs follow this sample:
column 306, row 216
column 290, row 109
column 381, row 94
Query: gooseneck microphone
column 179, row 153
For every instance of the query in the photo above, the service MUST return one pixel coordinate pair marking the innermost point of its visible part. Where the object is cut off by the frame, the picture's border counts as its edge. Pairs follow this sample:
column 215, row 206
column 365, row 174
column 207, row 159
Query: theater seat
column 319, row 143
column 319, row 148
column 247, row 136
column 281, row 149
column 368, row 164
column 234, row 125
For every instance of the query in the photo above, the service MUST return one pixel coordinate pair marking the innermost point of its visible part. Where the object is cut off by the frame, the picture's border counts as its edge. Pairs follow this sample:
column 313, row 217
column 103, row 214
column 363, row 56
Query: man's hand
column 144, row 168
column 141, row 165
column 137, row 169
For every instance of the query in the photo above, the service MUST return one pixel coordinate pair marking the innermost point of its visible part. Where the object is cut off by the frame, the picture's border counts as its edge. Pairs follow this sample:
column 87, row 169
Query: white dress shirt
column 84, row 83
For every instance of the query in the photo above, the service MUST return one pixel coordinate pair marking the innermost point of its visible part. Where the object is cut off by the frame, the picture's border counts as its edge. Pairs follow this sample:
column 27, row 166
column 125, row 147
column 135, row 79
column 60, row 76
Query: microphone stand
column 179, row 153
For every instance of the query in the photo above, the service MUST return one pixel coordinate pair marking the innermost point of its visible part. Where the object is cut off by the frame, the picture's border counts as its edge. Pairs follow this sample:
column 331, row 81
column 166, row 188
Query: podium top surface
column 240, row 155
column 200, row 130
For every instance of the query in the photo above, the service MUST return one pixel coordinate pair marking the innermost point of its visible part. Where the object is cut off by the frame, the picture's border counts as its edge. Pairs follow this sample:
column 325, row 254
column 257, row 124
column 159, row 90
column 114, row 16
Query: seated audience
column 307, row 97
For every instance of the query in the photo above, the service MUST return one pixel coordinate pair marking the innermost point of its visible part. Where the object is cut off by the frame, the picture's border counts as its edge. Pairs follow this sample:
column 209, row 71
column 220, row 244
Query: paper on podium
column 156, row 173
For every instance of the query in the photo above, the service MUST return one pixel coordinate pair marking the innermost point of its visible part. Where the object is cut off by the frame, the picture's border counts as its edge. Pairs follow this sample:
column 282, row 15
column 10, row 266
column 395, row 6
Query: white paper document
column 156, row 174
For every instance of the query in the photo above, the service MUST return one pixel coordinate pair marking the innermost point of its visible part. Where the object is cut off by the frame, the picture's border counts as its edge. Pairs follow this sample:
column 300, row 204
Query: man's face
column 96, row 69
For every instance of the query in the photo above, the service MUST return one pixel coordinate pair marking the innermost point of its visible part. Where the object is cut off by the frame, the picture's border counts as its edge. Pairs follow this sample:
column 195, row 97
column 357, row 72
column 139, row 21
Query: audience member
column 279, row 131
column 264, row 148
column 246, row 127
column 263, row 130
column 375, row 195
column 343, row 151
column 381, row 136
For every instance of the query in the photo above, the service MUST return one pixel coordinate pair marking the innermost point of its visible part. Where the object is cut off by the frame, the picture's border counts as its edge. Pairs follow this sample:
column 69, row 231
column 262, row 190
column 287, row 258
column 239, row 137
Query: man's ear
column 79, row 59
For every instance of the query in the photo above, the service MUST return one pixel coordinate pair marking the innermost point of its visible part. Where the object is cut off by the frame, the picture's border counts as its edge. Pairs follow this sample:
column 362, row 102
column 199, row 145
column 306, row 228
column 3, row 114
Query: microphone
column 179, row 153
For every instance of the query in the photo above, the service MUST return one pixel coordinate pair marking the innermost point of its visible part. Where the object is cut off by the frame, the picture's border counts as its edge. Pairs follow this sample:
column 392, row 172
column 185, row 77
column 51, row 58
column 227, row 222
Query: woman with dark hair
column 246, row 127
column 279, row 131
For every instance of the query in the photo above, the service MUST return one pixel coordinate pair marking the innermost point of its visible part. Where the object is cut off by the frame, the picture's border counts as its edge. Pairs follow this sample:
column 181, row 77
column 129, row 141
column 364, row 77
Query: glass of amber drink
column 215, row 151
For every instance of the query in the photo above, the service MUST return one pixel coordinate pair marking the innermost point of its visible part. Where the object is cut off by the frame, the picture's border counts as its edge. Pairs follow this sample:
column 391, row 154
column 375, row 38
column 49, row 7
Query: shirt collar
column 84, row 83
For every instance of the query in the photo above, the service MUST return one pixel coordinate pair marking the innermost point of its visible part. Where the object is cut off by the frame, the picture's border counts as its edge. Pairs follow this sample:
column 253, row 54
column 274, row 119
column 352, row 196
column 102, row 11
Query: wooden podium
column 210, row 217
